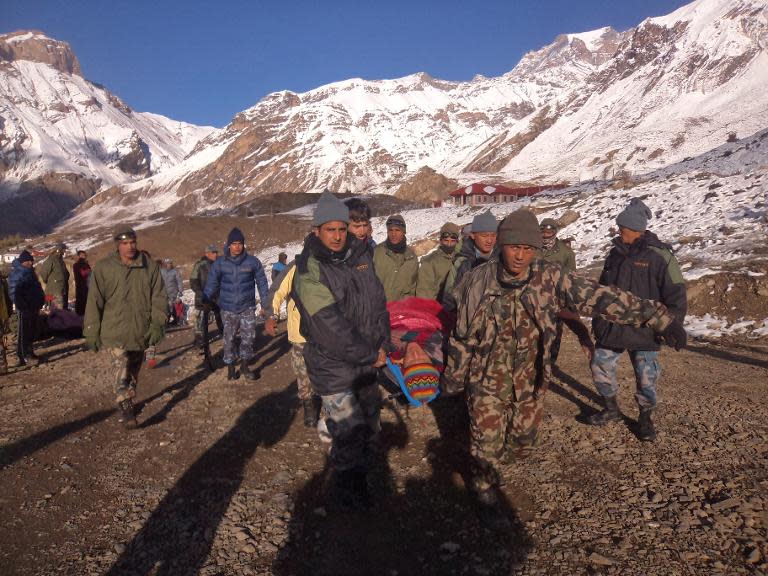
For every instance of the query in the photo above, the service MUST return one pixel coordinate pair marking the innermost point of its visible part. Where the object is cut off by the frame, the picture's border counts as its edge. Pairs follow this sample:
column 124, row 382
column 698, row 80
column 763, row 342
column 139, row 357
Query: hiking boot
column 127, row 414
column 232, row 372
column 311, row 412
column 490, row 511
column 645, row 431
column 611, row 413
column 247, row 373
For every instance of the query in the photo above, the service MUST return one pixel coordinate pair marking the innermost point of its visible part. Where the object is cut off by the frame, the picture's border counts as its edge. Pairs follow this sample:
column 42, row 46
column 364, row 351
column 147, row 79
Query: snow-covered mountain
column 63, row 138
column 588, row 106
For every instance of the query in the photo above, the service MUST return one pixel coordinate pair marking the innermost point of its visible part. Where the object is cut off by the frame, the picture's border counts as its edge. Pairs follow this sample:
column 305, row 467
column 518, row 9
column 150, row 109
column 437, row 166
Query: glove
column 674, row 335
column 92, row 344
column 154, row 334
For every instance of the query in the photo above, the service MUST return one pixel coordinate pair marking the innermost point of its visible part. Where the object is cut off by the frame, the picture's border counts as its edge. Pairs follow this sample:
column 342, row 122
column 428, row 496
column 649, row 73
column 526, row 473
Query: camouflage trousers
column 300, row 370
column 125, row 368
column 239, row 335
column 352, row 420
column 647, row 371
column 504, row 418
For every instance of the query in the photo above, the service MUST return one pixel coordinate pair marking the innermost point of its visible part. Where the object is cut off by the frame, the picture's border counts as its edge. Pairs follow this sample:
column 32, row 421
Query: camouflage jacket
column 480, row 319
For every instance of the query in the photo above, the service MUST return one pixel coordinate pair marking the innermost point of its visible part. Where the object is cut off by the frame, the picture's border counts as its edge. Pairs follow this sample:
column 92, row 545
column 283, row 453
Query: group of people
column 29, row 289
column 506, row 286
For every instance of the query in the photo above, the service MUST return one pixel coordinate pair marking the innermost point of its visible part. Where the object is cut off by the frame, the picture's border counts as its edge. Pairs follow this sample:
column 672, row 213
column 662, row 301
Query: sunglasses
column 452, row 236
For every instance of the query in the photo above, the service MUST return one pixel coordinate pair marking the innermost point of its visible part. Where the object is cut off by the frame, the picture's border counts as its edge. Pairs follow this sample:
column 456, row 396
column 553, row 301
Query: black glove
column 674, row 336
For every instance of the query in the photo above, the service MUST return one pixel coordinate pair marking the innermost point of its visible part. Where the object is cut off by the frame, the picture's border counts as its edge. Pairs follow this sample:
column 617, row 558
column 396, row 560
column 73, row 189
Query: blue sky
column 203, row 62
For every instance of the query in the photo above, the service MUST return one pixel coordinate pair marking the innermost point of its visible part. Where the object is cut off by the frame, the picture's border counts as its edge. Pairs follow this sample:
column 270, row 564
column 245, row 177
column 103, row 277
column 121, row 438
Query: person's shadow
column 429, row 525
column 177, row 537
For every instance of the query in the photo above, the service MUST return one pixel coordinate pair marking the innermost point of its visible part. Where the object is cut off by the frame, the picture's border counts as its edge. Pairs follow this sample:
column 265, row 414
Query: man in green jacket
column 435, row 267
column 396, row 264
column 54, row 274
column 556, row 251
column 125, row 314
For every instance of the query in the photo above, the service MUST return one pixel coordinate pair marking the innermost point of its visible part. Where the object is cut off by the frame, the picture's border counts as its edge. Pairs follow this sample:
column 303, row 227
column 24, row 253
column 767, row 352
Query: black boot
column 646, row 432
column 232, row 372
column 127, row 414
column 311, row 412
column 247, row 373
column 610, row 414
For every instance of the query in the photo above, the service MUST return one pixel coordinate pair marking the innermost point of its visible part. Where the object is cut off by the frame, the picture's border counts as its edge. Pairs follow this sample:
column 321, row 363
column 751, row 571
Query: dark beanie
column 520, row 227
column 330, row 209
column 396, row 221
column 235, row 236
column 635, row 216
column 485, row 222
column 25, row 256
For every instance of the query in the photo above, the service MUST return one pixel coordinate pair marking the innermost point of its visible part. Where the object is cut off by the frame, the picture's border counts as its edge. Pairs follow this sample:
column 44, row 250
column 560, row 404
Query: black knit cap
column 520, row 227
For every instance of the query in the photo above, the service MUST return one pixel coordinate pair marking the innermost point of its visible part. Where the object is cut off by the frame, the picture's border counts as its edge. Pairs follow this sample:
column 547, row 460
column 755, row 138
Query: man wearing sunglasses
column 435, row 267
column 556, row 251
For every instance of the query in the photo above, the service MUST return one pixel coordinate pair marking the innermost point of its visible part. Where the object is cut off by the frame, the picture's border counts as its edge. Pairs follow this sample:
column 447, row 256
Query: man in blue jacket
column 643, row 265
column 234, row 278
column 28, row 298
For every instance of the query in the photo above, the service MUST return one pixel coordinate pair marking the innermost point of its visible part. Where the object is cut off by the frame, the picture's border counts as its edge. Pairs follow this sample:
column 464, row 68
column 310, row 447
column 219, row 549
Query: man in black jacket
column 640, row 263
column 345, row 322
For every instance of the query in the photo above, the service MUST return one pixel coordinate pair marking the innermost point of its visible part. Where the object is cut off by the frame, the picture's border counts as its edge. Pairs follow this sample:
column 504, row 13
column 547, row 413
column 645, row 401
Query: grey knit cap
column 212, row 248
column 520, row 227
column 330, row 209
column 485, row 222
column 635, row 216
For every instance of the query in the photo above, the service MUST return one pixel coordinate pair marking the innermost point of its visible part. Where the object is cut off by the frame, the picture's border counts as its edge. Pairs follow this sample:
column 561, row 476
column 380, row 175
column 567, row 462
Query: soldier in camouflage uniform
column 500, row 347
column 556, row 251
column 125, row 314
column 54, row 274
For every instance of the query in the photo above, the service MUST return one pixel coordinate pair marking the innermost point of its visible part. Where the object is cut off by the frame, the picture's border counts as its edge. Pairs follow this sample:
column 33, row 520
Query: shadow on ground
column 177, row 537
column 427, row 526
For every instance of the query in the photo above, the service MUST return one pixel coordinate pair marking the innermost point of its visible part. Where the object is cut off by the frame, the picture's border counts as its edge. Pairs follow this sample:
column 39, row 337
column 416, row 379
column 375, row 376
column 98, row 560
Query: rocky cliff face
column 35, row 46
column 57, row 128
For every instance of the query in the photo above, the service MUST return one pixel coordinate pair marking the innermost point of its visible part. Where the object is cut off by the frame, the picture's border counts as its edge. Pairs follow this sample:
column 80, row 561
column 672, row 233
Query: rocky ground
column 222, row 478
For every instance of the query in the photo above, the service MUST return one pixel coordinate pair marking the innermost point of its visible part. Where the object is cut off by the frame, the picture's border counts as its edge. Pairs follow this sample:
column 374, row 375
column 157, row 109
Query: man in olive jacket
column 435, row 267
column 396, row 264
column 345, row 321
column 54, row 274
column 125, row 314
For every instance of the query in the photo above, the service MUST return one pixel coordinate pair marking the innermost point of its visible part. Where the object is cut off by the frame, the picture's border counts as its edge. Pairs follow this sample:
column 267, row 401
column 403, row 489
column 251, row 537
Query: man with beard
column 82, row 272
column 500, row 346
column 125, row 314
column 360, row 220
column 435, row 267
column 345, row 322
column 396, row 264
column 642, row 264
